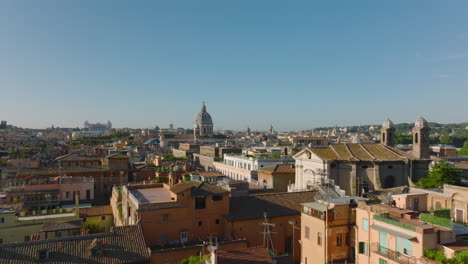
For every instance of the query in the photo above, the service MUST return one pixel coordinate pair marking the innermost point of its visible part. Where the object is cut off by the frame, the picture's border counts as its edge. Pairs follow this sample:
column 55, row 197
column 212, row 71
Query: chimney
column 213, row 252
column 77, row 204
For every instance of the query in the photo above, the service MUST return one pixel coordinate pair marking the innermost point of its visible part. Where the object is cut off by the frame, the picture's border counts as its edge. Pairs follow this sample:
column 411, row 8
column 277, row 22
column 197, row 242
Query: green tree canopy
column 464, row 150
column 440, row 174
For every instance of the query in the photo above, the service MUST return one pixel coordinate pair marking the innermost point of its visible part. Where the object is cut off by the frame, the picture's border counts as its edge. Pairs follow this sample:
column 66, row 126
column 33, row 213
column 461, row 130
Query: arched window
column 416, row 138
column 383, row 137
column 438, row 205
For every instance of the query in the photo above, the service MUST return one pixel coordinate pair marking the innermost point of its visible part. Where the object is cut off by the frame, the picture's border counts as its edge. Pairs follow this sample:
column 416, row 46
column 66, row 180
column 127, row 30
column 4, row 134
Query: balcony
column 393, row 255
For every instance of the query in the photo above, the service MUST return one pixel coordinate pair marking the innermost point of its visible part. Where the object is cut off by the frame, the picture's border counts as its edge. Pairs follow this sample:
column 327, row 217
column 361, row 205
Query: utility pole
column 294, row 227
column 267, row 239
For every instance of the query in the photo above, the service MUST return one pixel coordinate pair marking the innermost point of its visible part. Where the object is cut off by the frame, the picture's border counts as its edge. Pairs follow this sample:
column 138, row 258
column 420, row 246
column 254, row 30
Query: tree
column 440, row 174
column 464, row 150
column 93, row 227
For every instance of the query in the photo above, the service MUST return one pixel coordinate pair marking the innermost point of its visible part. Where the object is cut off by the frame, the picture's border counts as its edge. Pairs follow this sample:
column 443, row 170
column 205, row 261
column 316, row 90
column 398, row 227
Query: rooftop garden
column 384, row 218
column 435, row 220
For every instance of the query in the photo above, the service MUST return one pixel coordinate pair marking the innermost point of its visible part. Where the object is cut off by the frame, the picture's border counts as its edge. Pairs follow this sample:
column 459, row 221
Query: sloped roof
column 253, row 255
column 124, row 244
column 116, row 156
column 61, row 225
column 279, row 168
column 359, row 152
column 77, row 156
column 209, row 174
column 96, row 211
column 198, row 188
column 274, row 204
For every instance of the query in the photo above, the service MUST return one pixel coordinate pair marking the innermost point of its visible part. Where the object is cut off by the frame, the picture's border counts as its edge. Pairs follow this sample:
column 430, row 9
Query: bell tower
column 421, row 132
column 387, row 133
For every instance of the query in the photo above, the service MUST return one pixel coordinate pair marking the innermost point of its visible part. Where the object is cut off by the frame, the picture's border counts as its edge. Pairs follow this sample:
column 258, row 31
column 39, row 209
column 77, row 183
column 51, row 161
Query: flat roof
column 152, row 195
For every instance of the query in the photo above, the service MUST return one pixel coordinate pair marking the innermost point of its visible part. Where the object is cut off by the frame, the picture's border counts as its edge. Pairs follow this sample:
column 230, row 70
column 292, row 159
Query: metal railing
column 393, row 255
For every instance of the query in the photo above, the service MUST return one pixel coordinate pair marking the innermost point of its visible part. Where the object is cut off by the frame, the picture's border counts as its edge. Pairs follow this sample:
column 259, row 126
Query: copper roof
column 124, row 244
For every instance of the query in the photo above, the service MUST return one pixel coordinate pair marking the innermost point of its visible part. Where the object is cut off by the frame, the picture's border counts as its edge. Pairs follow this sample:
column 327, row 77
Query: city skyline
column 254, row 63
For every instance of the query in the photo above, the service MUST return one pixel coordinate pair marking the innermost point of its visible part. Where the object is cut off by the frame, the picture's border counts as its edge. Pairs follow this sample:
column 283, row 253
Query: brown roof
column 116, row 156
column 124, row 244
column 96, row 211
column 77, row 156
column 457, row 245
column 198, row 188
column 273, row 204
column 279, row 168
column 209, row 174
column 61, row 225
column 359, row 151
column 253, row 255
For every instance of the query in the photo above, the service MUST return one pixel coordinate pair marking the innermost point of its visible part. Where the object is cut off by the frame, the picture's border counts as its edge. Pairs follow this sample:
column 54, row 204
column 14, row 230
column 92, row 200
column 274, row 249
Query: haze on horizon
column 255, row 63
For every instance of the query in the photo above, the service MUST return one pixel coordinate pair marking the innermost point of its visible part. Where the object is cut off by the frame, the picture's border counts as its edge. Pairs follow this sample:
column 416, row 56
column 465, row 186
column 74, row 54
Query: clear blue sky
column 293, row 64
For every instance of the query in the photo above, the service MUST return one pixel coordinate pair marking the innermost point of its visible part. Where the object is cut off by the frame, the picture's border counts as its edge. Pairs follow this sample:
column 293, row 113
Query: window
column 200, row 223
column 347, row 239
column 365, row 224
column 43, row 254
column 363, row 248
column 26, row 238
column 103, row 218
column 382, row 261
column 84, row 220
column 307, row 232
column 217, row 221
column 217, row 197
column 2, row 220
column 67, row 195
column 165, row 218
column 339, row 240
column 319, row 238
column 200, row 203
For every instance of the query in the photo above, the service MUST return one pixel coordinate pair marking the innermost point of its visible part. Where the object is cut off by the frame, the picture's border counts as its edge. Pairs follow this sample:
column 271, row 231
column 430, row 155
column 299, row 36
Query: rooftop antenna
column 267, row 239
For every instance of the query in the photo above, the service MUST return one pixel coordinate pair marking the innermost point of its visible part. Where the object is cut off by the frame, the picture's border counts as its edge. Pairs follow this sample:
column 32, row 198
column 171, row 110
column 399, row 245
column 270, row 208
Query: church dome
column 387, row 123
column 203, row 117
column 420, row 122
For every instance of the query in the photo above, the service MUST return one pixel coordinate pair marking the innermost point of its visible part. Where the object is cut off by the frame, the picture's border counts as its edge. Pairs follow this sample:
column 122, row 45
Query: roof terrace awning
column 394, row 232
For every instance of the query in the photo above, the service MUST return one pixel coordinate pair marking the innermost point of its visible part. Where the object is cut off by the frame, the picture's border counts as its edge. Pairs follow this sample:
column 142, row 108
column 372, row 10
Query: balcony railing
column 393, row 255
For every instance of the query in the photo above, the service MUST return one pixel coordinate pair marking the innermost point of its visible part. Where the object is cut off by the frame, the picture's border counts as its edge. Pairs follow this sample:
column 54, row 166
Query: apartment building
column 387, row 234
column 188, row 211
column 327, row 233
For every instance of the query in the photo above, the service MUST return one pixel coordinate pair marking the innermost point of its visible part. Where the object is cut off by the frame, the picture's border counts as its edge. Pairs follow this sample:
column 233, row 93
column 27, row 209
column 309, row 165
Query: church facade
column 361, row 167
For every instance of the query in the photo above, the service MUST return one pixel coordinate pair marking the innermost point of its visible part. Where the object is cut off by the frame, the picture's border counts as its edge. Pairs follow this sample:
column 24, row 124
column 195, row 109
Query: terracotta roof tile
column 253, row 255
column 124, row 244
column 61, row 225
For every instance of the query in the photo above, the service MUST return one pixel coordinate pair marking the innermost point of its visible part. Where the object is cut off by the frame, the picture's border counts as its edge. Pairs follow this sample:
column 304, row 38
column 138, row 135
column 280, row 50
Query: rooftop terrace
column 152, row 195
